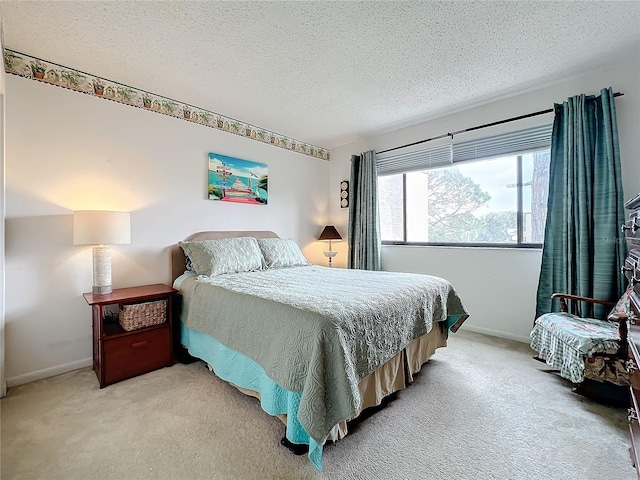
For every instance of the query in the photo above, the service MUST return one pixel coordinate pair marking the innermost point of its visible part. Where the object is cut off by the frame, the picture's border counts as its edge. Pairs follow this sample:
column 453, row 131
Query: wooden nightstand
column 119, row 354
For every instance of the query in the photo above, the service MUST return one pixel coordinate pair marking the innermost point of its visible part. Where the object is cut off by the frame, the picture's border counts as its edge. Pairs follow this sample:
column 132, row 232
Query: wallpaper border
column 28, row 66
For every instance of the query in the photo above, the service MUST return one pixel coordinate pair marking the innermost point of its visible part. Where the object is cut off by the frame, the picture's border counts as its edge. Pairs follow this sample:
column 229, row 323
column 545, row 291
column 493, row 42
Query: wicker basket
column 139, row 315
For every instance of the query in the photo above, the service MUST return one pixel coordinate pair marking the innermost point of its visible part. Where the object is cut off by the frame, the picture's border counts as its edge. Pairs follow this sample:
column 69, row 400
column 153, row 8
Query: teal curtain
column 364, row 221
column 583, row 248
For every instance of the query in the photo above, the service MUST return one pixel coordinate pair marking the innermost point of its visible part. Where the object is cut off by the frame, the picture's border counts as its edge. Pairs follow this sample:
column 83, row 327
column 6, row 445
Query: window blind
column 511, row 143
column 434, row 157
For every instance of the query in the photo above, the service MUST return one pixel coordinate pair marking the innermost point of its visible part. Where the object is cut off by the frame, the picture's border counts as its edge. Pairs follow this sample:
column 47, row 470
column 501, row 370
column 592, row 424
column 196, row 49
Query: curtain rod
column 499, row 122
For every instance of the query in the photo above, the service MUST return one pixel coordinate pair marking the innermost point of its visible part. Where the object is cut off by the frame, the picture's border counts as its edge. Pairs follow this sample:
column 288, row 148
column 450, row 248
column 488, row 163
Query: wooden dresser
column 632, row 272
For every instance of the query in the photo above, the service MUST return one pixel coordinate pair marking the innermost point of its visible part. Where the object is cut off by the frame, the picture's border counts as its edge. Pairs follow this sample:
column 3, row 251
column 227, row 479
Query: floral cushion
column 564, row 341
column 623, row 307
column 583, row 334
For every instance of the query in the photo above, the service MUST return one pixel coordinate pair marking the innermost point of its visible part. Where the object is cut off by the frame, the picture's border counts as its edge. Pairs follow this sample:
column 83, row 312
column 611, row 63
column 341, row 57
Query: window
column 490, row 200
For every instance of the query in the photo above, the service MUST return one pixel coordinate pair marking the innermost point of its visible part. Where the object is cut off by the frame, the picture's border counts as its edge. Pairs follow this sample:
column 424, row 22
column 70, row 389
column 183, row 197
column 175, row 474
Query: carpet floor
column 480, row 409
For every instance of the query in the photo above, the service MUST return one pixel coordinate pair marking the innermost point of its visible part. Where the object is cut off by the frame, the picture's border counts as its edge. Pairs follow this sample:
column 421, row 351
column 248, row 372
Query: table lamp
column 100, row 228
column 330, row 233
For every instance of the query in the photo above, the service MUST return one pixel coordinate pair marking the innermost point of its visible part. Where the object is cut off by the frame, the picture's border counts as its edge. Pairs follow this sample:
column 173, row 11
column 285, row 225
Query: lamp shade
column 329, row 233
column 92, row 227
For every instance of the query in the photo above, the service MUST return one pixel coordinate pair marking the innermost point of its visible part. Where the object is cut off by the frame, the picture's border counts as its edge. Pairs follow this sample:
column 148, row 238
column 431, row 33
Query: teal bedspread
column 317, row 332
column 243, row 372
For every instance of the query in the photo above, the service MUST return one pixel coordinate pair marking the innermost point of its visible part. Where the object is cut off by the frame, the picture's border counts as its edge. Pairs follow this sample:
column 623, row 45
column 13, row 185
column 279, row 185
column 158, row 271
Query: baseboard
column 496, row 333
column 47, row 372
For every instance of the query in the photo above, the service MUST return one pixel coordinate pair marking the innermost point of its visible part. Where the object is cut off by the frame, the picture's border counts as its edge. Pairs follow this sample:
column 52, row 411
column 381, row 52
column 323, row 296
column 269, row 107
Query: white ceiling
column 328, row 73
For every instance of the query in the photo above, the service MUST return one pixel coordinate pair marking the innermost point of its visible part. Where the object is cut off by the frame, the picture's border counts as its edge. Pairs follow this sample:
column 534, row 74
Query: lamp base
column 101, row 271
column 101, row 290
column 330, row 255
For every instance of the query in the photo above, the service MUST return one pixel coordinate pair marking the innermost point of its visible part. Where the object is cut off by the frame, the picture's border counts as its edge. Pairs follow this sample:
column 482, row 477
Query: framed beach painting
column 235, row 180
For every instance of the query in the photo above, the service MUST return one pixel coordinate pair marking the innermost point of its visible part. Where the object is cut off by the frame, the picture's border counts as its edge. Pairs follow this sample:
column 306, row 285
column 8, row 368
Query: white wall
column 66, row 151
column 498, row 286
column 3, row 388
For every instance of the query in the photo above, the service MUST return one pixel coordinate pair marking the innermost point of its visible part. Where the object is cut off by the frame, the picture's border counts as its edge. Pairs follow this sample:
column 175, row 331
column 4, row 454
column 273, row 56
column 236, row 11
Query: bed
column 316, row 345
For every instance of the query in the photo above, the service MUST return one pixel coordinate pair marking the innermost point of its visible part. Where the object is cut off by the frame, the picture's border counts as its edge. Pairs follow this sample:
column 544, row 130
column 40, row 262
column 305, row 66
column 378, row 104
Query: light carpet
column 480, row 409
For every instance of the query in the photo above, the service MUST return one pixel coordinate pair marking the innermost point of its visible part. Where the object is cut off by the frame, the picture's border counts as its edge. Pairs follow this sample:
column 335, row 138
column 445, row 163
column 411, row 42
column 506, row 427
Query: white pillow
column 227, row 255
column 281, row 252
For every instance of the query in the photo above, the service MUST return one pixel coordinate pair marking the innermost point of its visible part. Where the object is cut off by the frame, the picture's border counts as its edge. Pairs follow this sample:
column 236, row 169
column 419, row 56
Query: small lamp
column 330, row 233
column 100, row 228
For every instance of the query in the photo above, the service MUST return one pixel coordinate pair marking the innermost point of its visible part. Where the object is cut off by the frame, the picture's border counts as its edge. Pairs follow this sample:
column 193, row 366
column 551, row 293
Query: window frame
column 519, row 218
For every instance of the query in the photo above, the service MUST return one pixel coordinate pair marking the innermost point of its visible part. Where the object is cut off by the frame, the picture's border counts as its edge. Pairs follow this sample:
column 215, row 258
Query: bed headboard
column 177, row 255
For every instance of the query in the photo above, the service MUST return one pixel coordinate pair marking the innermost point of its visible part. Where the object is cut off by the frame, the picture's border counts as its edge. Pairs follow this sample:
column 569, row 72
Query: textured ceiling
column 325, row 72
